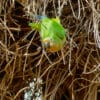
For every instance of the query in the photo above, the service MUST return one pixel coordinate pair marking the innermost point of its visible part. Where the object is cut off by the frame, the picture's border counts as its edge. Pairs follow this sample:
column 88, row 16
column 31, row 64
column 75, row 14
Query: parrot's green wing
column 52, row 27
column 58, row 30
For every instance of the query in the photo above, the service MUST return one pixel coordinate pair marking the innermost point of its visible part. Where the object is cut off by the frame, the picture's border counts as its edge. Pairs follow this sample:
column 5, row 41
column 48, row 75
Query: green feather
column 51, row 27
column 35, row 25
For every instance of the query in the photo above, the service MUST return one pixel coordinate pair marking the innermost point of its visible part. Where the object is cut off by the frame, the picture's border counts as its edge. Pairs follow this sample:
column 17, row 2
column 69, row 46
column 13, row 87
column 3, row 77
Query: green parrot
column 52, row 33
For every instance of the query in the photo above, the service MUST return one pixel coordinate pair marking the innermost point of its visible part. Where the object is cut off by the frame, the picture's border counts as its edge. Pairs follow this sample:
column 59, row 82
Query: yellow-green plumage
column 53, row 35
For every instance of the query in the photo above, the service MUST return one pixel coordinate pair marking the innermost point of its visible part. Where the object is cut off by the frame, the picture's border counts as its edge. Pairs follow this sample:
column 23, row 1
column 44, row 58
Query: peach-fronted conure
column 52, row 33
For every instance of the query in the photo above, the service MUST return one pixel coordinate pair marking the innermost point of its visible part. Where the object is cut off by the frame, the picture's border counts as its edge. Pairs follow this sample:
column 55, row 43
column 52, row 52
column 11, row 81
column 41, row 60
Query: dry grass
column 72, row 74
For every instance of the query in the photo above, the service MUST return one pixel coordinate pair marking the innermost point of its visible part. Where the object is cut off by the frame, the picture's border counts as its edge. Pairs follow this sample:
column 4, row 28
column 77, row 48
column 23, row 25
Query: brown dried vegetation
column 69, row 75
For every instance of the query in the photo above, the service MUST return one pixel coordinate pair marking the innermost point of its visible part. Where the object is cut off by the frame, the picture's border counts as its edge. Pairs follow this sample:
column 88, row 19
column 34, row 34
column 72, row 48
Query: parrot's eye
column 47, row 45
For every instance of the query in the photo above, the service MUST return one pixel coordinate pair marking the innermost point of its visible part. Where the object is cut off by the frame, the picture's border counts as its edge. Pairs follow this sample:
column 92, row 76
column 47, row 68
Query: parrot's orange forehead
column 53, row 49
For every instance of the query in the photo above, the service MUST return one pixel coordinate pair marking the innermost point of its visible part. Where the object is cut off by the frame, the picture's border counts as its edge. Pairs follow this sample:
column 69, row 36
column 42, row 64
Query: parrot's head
column 50, row 45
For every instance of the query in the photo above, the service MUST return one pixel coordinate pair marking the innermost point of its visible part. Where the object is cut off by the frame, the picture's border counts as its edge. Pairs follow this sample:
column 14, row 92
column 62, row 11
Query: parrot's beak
column 47, row 45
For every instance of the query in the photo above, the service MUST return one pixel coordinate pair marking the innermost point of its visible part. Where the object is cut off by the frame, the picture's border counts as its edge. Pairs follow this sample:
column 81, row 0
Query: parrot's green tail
column 35, row 26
